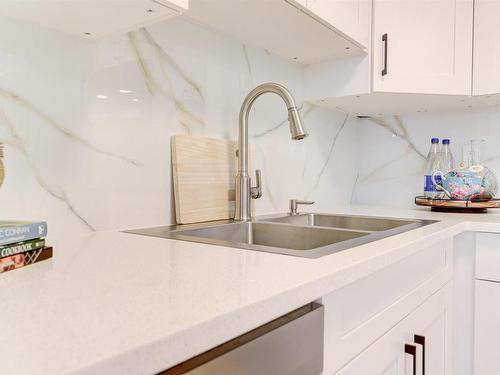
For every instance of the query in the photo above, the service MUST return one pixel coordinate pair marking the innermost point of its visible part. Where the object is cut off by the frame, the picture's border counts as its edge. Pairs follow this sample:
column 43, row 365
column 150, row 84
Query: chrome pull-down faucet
column 244, row 191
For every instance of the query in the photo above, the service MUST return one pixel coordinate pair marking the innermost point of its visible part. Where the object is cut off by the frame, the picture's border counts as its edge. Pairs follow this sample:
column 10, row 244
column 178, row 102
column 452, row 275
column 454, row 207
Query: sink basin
column 275, row 235
column 364, row 223
column 304, row 235
column 270, row 237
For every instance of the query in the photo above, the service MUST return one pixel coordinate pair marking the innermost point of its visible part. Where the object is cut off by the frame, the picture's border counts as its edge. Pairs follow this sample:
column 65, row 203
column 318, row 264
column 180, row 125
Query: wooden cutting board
column 204, row 171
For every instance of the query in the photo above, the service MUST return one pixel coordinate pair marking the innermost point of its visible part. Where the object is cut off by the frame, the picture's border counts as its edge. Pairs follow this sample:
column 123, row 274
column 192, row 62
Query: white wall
column 85, row 163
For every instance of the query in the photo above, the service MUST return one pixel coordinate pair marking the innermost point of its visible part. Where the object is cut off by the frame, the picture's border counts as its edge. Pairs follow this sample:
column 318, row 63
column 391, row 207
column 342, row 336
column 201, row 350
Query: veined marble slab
column 392, row 163
column 87, row 125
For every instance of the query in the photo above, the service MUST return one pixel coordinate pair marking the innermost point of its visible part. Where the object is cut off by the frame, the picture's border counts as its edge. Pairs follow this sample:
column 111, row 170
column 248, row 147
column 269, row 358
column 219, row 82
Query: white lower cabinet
column 487, row 304
column 424, row 335
column 487, row 328
column 370, row 323
column 359, row 314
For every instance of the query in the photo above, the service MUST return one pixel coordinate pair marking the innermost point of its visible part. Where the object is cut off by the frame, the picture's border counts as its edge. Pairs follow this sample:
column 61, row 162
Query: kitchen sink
column 275, row 235
column 365, row 223
column 303, row 235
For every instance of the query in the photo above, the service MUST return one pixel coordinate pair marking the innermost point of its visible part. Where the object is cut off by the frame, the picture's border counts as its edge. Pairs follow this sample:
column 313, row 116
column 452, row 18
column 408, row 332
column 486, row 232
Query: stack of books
column 22, row 243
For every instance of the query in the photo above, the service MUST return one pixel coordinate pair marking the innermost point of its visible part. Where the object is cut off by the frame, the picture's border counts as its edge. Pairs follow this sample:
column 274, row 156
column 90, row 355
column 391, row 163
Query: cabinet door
column 358, row 314
column 430, row 320
column 428, row 46
column 352, row 17
column 487, row 328
column 486, row 47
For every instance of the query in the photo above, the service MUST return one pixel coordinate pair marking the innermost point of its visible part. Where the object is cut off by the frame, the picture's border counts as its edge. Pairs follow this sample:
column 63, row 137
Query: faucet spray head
column 296, row 128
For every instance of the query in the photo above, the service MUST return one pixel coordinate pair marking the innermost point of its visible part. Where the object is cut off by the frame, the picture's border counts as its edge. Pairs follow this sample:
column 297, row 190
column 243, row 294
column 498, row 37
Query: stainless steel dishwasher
column 289, row 345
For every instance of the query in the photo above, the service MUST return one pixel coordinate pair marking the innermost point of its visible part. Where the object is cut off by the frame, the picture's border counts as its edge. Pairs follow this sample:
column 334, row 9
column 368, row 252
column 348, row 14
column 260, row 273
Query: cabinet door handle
column 384, row 39
column 419, row 339
column 412, row 350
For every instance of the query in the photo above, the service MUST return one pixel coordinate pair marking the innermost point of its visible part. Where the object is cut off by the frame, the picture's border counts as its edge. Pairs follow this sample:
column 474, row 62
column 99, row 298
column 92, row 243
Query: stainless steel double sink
column 303, row 235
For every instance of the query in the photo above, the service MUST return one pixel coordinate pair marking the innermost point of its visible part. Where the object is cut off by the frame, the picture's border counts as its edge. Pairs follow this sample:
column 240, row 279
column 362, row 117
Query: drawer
column 488, row 256
column 387, row 356
column 362, row 312
column 291, row 344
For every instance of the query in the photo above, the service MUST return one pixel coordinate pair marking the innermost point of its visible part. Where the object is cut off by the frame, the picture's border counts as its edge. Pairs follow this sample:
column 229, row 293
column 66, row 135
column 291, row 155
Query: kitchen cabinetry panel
column 488, row 256
column 463, row 303
column 283, row 27
column 487, row 328
column 362, row 312
column 428, row 46
column 486, row 47
column 382, row 359
column 387, row 355
column 425, row 51
column 93, row 19
column 350, row 16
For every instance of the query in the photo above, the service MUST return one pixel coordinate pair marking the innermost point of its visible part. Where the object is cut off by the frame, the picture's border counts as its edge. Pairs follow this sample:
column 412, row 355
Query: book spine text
column 22, row 232
column 22, row 247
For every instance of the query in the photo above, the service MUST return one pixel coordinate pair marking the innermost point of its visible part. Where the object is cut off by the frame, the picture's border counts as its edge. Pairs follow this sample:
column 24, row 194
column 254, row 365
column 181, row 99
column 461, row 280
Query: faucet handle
column 294, row 204
column 256, row 191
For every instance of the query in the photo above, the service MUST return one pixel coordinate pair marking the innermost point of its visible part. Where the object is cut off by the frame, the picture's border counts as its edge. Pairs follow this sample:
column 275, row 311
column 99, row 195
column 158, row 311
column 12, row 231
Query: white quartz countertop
column 118, row 303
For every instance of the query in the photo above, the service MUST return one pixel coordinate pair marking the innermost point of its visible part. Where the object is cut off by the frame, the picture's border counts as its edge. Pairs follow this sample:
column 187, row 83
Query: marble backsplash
column 394, row 149
column 86, row 128
column 87, row 125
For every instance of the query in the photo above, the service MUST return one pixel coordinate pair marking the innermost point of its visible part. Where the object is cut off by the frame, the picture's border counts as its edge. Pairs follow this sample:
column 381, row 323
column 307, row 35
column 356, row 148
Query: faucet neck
column 245, row 111
column 243, row 182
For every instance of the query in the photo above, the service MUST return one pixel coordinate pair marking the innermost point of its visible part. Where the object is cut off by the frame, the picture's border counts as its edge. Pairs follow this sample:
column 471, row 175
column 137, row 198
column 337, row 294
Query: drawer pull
column 412, row 350
column 384, row 39
column 421, row 341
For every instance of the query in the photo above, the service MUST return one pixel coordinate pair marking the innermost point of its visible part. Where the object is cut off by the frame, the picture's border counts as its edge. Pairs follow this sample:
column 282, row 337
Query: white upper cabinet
column 486, row 47
column 286, row 28
column 424, row 46
column 420, row 60
column 352, row 17
column 93, row 19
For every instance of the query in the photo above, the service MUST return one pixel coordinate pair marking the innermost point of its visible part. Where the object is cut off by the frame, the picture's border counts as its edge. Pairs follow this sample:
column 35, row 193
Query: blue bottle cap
column 435, row 140
column 446, row 141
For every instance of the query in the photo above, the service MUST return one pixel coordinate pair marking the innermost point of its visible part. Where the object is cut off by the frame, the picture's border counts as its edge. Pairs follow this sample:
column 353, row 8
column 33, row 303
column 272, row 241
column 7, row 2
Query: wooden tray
column 448, row 205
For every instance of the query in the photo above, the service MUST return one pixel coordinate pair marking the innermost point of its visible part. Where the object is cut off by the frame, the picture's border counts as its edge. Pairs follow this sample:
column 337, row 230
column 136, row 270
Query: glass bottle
column 448, row 161
column 432, row 165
